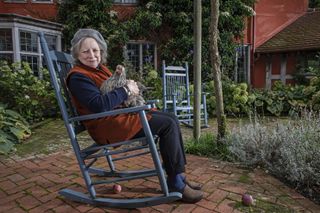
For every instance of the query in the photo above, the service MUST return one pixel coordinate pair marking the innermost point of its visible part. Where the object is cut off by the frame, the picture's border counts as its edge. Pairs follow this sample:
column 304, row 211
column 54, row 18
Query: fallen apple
column 117, row 188
column 248, row 200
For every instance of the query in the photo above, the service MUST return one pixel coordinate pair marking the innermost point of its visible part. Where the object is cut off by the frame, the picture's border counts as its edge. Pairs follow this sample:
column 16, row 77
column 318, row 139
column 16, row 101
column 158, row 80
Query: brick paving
column 32, row 185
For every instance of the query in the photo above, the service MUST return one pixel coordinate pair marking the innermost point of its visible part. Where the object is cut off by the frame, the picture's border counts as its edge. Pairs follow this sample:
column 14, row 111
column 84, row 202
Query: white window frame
column 244, row 57
column 36, row 54
column 140, row 53
column 125, row 1
column 16, row 1
column 16, row 27
column 12, row 43
column 42, row 2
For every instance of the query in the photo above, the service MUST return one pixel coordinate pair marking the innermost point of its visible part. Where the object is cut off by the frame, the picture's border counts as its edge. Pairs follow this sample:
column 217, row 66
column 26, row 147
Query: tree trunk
column 216, row 64
column 197, row 69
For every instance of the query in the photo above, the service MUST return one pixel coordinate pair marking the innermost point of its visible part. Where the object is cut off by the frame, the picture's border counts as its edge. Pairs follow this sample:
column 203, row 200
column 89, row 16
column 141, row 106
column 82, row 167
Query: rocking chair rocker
column 58, row 64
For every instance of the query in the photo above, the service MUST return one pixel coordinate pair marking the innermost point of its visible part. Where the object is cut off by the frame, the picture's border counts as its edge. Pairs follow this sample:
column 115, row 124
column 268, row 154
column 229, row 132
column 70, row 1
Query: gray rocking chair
column 58, row 64
column 177, row 95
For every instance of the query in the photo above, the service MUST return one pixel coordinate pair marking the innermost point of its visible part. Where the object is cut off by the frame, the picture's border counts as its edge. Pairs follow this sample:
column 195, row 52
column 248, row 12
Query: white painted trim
column 42, row 2
column 283, row 68
column 268, row 72
column 17, row 27
column 16, row 1
column 278, row 77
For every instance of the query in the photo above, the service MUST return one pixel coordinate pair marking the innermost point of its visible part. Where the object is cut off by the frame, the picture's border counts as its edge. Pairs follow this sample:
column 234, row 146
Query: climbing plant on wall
column 168, row 23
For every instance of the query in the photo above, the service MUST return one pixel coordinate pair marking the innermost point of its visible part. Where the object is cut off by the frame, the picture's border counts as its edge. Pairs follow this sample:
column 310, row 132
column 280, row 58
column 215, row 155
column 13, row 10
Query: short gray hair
column 81, row 35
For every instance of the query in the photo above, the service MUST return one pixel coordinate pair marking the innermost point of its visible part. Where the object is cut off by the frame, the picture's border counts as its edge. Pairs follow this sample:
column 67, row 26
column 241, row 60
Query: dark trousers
column 166, row 126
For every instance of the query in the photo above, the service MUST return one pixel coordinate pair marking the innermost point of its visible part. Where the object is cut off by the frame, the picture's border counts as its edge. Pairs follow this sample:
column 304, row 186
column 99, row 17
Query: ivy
column 167, row 23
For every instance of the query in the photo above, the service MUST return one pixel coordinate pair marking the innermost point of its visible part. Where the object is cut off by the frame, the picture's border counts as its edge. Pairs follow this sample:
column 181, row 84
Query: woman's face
column 90, row 53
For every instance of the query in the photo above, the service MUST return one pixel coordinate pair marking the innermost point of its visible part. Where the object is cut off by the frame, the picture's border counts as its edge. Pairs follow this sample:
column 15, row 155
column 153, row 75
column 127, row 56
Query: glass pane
column 6, row 57
column 28, row 41
column 5, row 40
column 242, row 64
column 148, row 54
column 16, row 1
column 33, row 62
column 52, row 42
column 133, row 55
column 125, row 1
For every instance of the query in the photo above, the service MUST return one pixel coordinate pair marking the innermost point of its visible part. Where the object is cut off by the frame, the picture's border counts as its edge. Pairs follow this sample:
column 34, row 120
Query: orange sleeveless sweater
column 109, row 129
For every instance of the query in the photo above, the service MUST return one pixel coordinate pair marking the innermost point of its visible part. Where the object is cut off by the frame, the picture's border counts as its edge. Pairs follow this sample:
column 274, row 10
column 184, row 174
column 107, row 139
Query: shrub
column 281, row 100
column 13, row 129
column 289, row 150
column 236, row 98
column 25, row 93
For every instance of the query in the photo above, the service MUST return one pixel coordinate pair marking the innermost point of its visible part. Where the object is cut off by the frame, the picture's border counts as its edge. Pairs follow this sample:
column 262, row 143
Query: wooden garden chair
column 58, row 64
column 177, row 95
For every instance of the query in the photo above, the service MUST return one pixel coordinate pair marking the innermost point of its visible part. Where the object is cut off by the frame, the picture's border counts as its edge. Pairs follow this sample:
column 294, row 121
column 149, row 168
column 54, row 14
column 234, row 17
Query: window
column 29, row 50
column 242, row 65
column 308, row 64
column 141, row 54
column 42, row 1
column 6, row 57
column 16, row 1
column 52, row 42
column 125, row 1
column 28, row 41
column 5, row 40
column 6, row 45
column 33, row 61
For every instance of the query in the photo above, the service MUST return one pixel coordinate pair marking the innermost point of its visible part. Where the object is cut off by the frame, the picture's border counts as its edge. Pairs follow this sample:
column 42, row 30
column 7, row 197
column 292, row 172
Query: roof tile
column 303, row 34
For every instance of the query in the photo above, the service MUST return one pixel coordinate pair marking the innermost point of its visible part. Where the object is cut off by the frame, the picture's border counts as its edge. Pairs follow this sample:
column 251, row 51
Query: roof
column 11, row 17
column 303, row 34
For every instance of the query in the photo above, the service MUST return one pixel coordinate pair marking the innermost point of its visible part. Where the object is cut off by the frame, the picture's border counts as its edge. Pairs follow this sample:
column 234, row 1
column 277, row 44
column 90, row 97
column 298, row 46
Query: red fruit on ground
column 248, row 200
column 117, row 188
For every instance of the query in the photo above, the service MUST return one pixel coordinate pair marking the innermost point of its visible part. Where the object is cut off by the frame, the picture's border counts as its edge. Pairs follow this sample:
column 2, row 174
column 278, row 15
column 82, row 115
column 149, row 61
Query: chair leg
column 110, row 162
column 174, row 105
column 154, row 153
column 205, row 113
column 86, row 176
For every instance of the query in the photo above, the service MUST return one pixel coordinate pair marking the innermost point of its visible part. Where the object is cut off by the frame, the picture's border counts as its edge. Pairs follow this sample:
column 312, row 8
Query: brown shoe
column 190, row 195
column 193, row 185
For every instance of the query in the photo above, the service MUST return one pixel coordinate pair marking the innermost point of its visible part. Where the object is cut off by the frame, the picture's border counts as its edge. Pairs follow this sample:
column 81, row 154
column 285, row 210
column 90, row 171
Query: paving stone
column 16, row 210
column 20, row 188
column 201, row 210
column 7, row 185
column 184, row 208
column 7, row 206
column 226, row 206
column 28, row 202
column 207, row 204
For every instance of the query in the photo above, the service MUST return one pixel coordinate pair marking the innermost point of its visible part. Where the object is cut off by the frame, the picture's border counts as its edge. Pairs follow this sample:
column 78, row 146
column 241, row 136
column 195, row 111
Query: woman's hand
column 132, row 85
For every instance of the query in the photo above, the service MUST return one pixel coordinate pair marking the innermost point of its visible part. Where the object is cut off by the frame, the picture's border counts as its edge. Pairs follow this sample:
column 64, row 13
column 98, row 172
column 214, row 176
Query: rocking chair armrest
column 191, row 95
column 153, row 102
column 109, row 113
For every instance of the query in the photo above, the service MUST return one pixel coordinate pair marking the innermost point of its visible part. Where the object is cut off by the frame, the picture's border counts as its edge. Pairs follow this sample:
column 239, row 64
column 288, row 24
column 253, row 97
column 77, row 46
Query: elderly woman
column 89, row 50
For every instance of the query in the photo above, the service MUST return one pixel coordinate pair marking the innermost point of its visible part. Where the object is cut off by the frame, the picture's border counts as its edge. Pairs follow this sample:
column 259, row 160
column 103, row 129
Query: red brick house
column 277, row 37
column 20, row 20
column 282, row 34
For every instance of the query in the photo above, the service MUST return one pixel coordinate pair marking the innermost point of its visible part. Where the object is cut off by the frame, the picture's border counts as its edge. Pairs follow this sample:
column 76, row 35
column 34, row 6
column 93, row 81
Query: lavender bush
column 288, row 149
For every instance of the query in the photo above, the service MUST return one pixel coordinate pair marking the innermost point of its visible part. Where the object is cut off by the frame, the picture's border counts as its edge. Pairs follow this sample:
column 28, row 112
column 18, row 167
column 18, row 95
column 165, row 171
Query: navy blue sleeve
column 89, row 95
